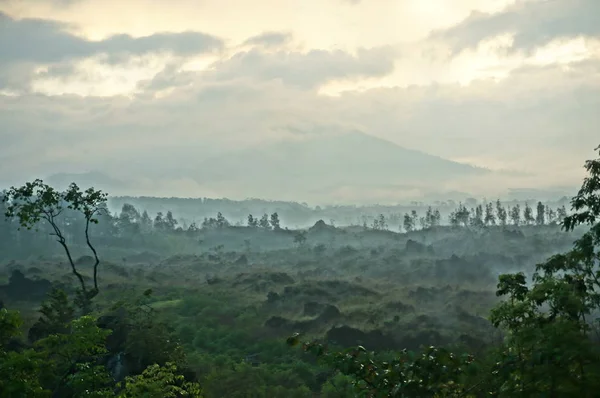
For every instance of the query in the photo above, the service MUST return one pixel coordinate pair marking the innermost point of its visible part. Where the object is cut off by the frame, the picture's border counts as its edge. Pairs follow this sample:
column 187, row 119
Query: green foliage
column 10, row 326
column 56, row 312
column 149, row 340
column 436, row 372
column 549, row 347
column 548, row 350
column 19, row 371
column 159, row 382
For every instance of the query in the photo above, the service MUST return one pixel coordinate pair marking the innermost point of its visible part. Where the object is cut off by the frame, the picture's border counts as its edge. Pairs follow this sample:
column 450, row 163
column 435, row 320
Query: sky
column 130, row 88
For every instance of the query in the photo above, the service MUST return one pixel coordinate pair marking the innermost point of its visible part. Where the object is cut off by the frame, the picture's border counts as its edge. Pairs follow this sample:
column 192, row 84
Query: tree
column 193, row 229
column 437, row 218
column 415, row 218
column 460, row 216
column 264, row 222
column 69, row 363
column 436, row 372
column 145, row 222
column 528, row 215
column 515, row 215
column 222, row 222
column 540, row 216
column 275, row 221
column 56, row 314
column 159, row 222
column 159, row 382
column 561, row 213
column 252, row 222
column 453, row 219
column 501, row 213
column 408, row 223
column 490, row 218
column 381, row 222
column 170, row 221
column 477, row 216
column 550, row 216
column 129, row 220
column 35, row 202
column 548, row 350
column 429, row 220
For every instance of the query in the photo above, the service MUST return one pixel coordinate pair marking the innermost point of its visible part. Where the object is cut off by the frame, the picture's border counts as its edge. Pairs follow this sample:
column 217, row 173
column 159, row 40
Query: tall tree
column 415, row 218
column 528, row 215
column 145, row 222
column 408, row 223
column 515, row 215
column 429, row 221
column 382, row 222
column 477, row 216
column 170, row 221
column 561, row 213
column 540, row 216
column 501, row 213
column 36, row 201
column 275, row 221
column 437, row 218
column 490, row 217
column 463, row 215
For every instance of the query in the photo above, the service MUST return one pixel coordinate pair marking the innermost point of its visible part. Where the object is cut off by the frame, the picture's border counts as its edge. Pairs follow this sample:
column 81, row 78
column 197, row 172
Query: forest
column 473, row 299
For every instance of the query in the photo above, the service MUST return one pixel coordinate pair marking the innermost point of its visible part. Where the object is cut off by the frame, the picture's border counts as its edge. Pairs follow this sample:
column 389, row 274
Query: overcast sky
column 502, row 84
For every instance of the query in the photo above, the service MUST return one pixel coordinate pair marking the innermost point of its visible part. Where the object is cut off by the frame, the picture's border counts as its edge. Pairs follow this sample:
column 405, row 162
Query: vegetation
column 180, row 310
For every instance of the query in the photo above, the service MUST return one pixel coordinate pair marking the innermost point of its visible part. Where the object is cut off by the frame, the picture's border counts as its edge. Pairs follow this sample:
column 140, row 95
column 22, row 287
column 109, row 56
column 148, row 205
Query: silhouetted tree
column 275, row 221
column 515, row 215
column 528, row 215
column 221, row 221
column 408, row 223
column 35, row 202
column 264, row 222
column 540, row 217
column 490, row 217
column 501, row 213
column 159, row 222
column 145, row 222
column 252, row 222
column 477, row 216
column 415, row 218
column 170, row 222
column 561, row 213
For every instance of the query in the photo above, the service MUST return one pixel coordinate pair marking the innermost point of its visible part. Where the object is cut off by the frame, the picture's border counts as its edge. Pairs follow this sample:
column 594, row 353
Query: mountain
column 324, row 168
column 321, row 166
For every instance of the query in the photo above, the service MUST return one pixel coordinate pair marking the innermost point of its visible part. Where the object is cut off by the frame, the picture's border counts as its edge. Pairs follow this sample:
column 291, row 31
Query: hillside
column 335, row 166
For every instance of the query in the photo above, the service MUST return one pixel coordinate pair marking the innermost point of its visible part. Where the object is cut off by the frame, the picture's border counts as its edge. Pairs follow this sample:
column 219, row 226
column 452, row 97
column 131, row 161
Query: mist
column 299, row 198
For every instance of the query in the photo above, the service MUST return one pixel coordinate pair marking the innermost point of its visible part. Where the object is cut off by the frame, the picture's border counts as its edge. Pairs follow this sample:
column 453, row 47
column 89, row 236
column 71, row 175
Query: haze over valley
column 299, row 198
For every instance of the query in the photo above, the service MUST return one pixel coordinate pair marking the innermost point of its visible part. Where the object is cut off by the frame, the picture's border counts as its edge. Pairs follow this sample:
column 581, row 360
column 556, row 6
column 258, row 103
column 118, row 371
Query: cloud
column 44, row 41
column 307, row 70
column 534, row 23
column 269, row 39
column 157, row 106
column 540, row 120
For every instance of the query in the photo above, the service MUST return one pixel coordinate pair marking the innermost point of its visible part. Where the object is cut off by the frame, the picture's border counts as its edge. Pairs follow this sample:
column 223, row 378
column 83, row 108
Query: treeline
column 131, row 222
